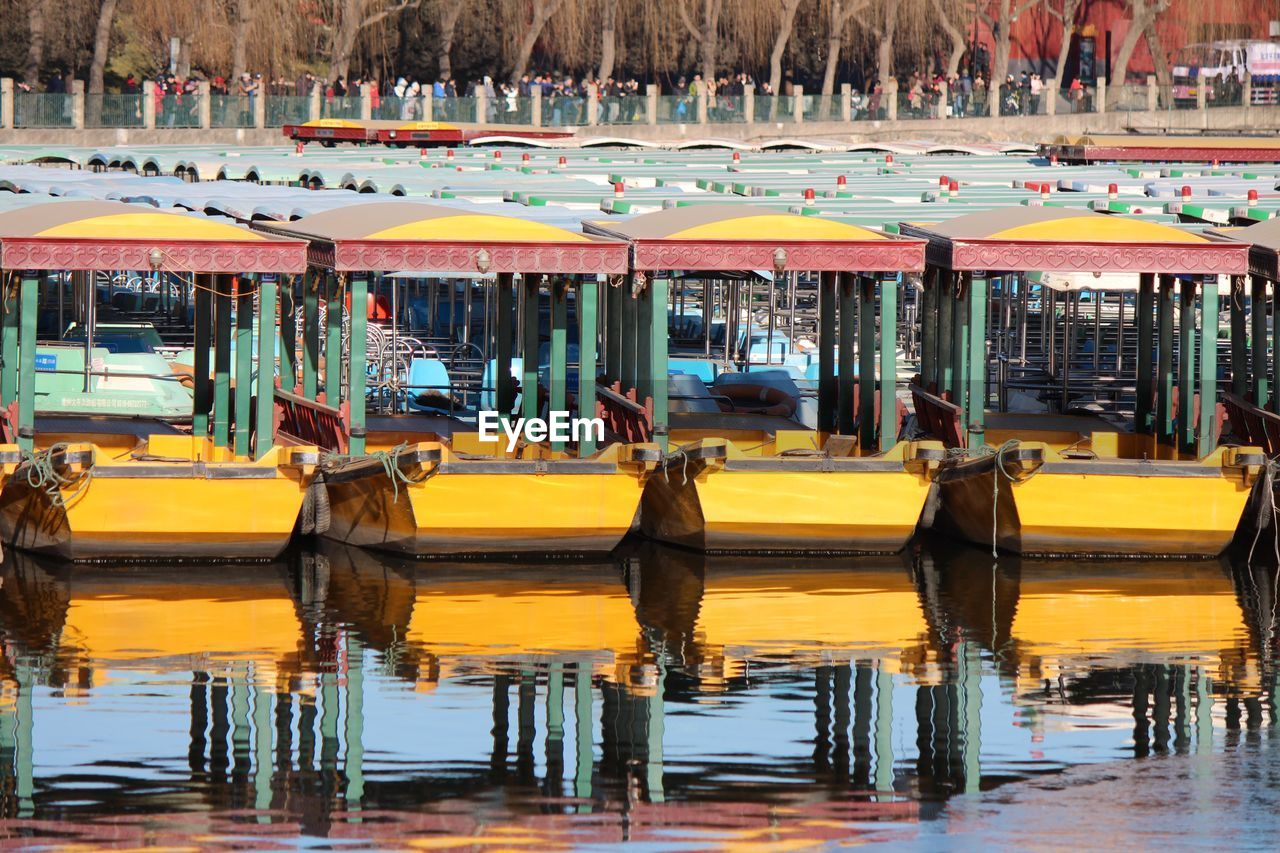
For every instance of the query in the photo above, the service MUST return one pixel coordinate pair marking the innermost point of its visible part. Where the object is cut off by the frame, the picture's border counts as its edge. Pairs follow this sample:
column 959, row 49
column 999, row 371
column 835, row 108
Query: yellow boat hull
column 1161, row 508
column 858, row 505
column 161, row 510
column 461, row 507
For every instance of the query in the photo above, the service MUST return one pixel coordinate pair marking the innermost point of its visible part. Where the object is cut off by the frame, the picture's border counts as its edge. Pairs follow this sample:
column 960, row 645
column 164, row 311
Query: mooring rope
column 43, row 476
column 1000, row 471
column 390, row 461
column 684, row 466
column 1268, row 514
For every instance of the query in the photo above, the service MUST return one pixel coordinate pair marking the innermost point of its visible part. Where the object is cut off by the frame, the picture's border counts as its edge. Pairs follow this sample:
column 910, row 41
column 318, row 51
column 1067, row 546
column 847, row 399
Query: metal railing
column 39, row 109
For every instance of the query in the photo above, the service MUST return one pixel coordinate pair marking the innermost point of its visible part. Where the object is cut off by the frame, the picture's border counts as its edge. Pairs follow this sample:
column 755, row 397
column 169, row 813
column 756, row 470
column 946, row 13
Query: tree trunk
column 345, row 34
column 35, row 46
column 1158, row 58
column 101, row 45
column 1130, row 42
column 785, row 27
column 450, row 12
column 240, row 38
column 958, row 41
column 884, row 52
column 1069, row 10
column 542, row 12
column 608, row 38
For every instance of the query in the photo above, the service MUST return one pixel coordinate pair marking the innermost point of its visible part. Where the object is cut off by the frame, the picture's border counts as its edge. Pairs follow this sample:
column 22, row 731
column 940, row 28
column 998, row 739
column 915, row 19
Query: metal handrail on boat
column 299, row 420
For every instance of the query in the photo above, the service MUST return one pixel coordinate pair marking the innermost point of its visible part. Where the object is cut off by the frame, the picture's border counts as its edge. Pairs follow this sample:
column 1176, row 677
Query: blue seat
column 703, row 368
column 489, row 382
column 426, row 375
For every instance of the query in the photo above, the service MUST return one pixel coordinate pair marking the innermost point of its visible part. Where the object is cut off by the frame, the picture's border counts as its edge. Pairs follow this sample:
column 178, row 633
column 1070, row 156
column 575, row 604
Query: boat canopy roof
column 112, row 235
column 1263, row 240
column 1060, row 239
column 394, row 235
column 723, row 236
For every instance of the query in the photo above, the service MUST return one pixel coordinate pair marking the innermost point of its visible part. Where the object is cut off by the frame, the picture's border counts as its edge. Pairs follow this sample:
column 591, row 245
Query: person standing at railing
column 1076, row 95
column 979, row 94
column 963, row 93
column 1037, row 87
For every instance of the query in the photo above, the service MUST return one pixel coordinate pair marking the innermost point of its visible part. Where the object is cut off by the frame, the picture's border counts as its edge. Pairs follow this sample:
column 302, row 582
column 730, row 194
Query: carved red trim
column 386, row 255
column 891, row 255
column 1155, row 153
column 1015, row 256
column 65, row 253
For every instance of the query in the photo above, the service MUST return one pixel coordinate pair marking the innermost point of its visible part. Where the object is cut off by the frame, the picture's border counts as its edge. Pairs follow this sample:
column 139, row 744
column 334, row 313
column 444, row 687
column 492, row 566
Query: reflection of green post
column 976, row 360
column 657, row 330
column 333, row 341
column 826, row 352
column 1208, row 364
column 844, row 369
column 969, row 675
column 884, row 730
column 655, row 729
column 888, row 362
column 1204, row 713
column 28, row 315
column 588, row 302
column 24, row 751
column 1164, row 358
column 328, row 721
column 262, row 763
column 1146, row 394
column 244, row 365
column 203, row 401
column 1186, row 365
column 555, row 723
column 504, row 335
column 9, row 347
column 1182, row 709
column 529, row 371
column 311, row 333
column 353, row 764
column 1258, row 339
column 268, row 287
column 358, row 372
column 867, row 364
column 241, row 758
column 583, row 733
column 559, row 373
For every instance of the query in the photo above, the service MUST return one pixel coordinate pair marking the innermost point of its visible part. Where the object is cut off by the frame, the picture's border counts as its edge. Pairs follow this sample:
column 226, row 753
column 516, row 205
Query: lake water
column 341, row 699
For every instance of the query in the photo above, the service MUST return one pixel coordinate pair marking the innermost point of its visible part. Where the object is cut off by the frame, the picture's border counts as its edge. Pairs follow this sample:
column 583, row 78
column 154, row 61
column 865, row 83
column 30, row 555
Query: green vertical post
column 960, row 348
column 588, row 308
column 844, row 373
column 946, row 330
column 1258, row 340
column 627, row 345
column 826, row 352
column 311, row 332
column 222, row 362
column 529, row 372
column 1146, row 322
column 1164, row 367
column 358, row 372
column 1239, row 343
column 504, row 334
column 244, row 364
column 1209, row 360
column 888, row 362
column 866, row 364
column 1275, row 348
column 268, row 288
column 28, row 314
column 928, row 324
column 976, row 360
column 613, row 297
column 657, row 332
column 1186, row 365
column 288, row 339
column 203, row 399
column 333, row 341
column 559, row 374
column 642, row 321
column 9, row 346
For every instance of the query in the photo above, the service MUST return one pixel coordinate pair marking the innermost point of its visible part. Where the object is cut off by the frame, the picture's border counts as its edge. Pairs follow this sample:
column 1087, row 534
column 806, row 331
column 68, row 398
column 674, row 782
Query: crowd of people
column 619, row 101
